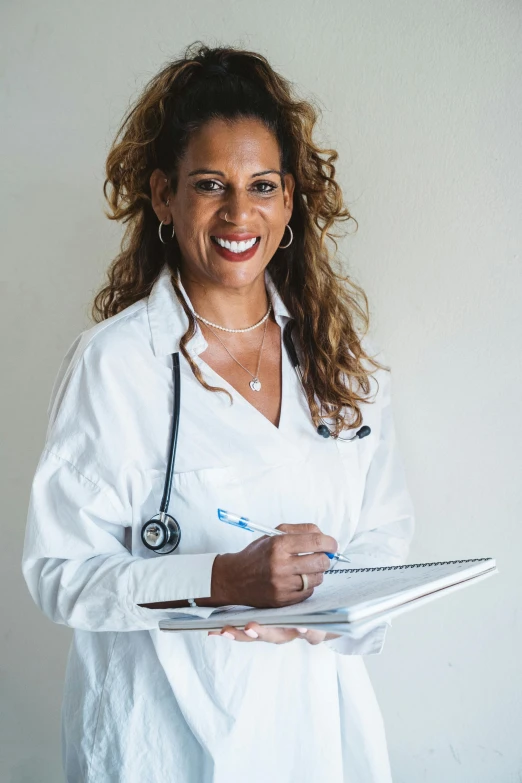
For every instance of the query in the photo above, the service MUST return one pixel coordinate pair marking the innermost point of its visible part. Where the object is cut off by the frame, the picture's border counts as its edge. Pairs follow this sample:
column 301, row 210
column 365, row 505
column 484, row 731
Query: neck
column 231, row 306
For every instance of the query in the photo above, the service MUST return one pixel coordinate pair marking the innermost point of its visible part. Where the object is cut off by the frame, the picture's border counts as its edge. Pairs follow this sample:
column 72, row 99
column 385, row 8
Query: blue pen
column 246, row 524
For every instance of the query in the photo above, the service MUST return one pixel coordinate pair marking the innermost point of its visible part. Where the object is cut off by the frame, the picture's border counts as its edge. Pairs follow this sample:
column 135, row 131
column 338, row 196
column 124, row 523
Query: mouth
column 236, row 249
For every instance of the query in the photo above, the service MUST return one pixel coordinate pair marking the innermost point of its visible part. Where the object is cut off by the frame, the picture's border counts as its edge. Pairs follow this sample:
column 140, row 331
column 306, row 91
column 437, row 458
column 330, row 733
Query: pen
column 246, row 524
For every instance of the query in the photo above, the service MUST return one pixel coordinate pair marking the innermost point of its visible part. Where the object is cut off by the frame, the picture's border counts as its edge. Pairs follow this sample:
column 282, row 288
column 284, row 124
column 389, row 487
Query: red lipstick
column 229, row 255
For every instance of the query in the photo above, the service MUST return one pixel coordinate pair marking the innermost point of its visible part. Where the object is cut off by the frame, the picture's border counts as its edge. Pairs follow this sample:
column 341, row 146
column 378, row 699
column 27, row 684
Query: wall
column 423, row 102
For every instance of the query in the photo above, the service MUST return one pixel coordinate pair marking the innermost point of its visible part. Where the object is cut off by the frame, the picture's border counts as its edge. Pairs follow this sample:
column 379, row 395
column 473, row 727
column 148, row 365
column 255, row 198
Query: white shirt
column 144, row 706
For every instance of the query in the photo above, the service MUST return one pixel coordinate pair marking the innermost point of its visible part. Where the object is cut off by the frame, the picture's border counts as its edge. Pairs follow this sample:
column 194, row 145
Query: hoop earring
column 291, row 237
column 159, row 233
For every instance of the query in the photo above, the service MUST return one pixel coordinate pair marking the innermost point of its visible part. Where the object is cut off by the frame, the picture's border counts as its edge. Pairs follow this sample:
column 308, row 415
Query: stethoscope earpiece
column 323, row 430
column 162, row 533
column 363, row 432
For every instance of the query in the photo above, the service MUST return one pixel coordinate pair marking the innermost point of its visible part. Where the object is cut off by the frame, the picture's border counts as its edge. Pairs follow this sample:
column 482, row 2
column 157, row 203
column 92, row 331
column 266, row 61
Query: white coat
column 144, row 706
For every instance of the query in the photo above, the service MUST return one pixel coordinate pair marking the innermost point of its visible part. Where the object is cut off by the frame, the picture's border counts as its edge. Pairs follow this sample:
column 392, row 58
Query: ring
column 304, row 578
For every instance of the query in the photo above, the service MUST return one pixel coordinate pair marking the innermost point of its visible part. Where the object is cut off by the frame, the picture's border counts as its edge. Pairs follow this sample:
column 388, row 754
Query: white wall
column 423, row 102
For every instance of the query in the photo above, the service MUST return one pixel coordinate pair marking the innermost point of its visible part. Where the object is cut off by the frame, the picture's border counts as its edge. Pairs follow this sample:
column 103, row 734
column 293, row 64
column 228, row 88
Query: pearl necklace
column 255, row 383
column 224, row 328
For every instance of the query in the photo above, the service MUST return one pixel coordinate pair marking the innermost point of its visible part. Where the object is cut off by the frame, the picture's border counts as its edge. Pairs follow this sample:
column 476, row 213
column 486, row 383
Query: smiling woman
column 255, row 204
column 228, row 206
column 219, row 146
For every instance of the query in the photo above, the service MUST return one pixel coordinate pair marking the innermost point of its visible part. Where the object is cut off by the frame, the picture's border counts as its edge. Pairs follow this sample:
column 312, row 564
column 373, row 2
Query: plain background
column 423, row 103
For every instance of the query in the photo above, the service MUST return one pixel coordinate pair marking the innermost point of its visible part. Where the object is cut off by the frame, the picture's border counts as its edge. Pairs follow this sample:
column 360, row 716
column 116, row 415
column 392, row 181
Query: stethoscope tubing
column 174, row 434
column 171, row 529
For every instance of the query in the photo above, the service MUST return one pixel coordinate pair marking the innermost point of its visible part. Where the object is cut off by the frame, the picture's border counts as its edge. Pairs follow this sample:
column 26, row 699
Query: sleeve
column 75, row 562
column 386, row 523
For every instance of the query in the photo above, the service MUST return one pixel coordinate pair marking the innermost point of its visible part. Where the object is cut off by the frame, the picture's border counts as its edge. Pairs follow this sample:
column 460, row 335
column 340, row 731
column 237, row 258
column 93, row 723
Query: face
column 229, row 169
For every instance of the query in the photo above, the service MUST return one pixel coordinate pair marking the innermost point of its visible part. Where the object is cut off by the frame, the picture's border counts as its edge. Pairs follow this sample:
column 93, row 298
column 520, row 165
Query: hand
column 266, row 573
column 254, row 632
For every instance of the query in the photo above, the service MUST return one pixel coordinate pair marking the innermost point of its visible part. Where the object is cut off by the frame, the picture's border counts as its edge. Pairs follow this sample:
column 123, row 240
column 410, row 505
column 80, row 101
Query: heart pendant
column 255, row 384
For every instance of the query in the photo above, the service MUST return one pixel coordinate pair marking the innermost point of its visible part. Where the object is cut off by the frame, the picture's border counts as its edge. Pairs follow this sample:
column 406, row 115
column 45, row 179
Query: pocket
column 195, row 498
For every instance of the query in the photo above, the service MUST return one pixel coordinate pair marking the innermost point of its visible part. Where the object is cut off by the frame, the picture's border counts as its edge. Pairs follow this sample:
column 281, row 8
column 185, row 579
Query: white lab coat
column 143, row 706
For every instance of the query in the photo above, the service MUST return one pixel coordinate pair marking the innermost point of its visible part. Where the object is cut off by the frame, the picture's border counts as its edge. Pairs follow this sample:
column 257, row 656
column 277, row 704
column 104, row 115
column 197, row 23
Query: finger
column 313, row 580
column 232, row 634
column 308, row 564
column 253, row 629
column 298, row 596
column 298, row 528
column 273, row 635
column 307, row 542
column 314, row 637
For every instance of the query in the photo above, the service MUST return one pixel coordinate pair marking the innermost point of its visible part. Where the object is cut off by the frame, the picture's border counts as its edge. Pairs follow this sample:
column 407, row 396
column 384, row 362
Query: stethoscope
column 162, row 532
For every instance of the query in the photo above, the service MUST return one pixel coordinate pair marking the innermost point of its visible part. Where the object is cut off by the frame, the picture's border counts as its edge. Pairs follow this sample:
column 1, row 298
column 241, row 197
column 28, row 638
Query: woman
column 228, row 203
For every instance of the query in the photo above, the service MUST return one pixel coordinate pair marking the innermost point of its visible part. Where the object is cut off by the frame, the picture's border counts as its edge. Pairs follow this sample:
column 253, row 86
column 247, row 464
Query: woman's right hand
column 266, row 573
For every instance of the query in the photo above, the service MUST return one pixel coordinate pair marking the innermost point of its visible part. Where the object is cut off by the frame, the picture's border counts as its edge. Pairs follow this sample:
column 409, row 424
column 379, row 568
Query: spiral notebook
column 351, row 599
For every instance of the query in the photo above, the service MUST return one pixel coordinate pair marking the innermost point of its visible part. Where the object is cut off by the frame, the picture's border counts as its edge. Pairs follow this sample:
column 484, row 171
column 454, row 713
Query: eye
column 213, row 186
column 203, row 183
column 270, row 187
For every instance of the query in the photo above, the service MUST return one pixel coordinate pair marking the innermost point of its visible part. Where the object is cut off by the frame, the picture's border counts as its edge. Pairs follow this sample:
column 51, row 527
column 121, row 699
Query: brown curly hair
column 330, row 310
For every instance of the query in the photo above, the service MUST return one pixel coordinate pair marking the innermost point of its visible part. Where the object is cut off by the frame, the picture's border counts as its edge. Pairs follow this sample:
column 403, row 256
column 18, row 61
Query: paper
column 367, row 592
column 362, row 594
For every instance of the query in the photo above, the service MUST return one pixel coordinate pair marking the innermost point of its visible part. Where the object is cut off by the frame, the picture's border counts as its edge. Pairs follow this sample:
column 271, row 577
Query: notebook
column 351, row 600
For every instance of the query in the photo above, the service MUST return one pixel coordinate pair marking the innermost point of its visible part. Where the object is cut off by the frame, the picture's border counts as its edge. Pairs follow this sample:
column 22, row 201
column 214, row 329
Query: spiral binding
column 410, row 565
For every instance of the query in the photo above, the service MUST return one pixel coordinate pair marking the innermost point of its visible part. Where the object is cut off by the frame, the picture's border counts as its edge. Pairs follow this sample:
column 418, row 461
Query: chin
column 240, row 274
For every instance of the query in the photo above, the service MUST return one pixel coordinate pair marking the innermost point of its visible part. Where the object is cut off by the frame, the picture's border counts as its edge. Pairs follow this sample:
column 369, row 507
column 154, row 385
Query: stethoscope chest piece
column 161, row 534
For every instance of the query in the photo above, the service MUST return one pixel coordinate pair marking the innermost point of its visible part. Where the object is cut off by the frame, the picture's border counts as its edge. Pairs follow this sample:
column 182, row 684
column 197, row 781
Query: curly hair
column 330, row 311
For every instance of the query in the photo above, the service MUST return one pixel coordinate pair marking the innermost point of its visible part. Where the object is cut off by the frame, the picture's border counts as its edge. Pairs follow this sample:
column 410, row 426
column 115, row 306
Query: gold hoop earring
column 291, row 237
column 159, row 233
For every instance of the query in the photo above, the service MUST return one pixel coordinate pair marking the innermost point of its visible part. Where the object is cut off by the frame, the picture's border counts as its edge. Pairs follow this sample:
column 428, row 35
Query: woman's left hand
column 254, row 632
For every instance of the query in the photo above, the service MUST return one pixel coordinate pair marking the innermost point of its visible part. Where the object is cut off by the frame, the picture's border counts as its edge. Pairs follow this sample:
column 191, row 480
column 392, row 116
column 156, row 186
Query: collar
column 168, row 321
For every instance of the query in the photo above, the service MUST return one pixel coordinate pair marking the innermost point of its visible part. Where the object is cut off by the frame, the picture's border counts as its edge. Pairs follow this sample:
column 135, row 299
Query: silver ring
column 304, row 578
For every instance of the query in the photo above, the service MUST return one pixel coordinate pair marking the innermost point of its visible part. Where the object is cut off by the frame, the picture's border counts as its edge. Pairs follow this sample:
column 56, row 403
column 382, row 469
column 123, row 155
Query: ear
column 288, row 196
column 159, row 195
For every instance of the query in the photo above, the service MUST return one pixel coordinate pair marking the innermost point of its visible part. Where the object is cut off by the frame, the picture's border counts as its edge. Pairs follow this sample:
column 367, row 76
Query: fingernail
column 228, row 635
column 253, row 634
column 302, row 630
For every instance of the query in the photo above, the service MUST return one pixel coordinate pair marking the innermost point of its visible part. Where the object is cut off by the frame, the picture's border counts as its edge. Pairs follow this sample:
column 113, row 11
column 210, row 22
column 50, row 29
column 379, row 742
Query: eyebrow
column 222, row 174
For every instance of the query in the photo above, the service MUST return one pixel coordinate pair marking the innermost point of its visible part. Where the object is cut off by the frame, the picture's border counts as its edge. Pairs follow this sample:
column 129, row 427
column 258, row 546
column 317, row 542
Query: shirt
column 144, row 706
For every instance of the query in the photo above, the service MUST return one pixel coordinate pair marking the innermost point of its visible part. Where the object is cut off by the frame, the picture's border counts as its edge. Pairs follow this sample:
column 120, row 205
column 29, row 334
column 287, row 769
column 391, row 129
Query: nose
column 237, row 208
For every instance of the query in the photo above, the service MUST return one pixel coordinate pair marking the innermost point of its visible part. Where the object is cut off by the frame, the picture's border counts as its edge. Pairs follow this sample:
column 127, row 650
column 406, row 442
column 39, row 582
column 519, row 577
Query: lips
column 232, row 254
column 234, row 237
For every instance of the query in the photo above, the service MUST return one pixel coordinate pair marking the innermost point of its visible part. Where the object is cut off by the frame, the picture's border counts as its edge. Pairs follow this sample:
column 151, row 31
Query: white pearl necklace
column 224, row 328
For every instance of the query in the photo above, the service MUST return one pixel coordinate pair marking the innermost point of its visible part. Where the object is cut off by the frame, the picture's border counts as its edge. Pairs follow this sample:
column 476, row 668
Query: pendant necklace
column 255, row 383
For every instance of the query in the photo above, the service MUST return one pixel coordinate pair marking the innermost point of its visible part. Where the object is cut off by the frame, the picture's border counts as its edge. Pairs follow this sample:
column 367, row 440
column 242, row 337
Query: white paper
column 359, row 595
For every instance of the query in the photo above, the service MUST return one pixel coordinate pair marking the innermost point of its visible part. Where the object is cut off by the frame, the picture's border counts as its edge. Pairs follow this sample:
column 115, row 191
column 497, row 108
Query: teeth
column 236, row 247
